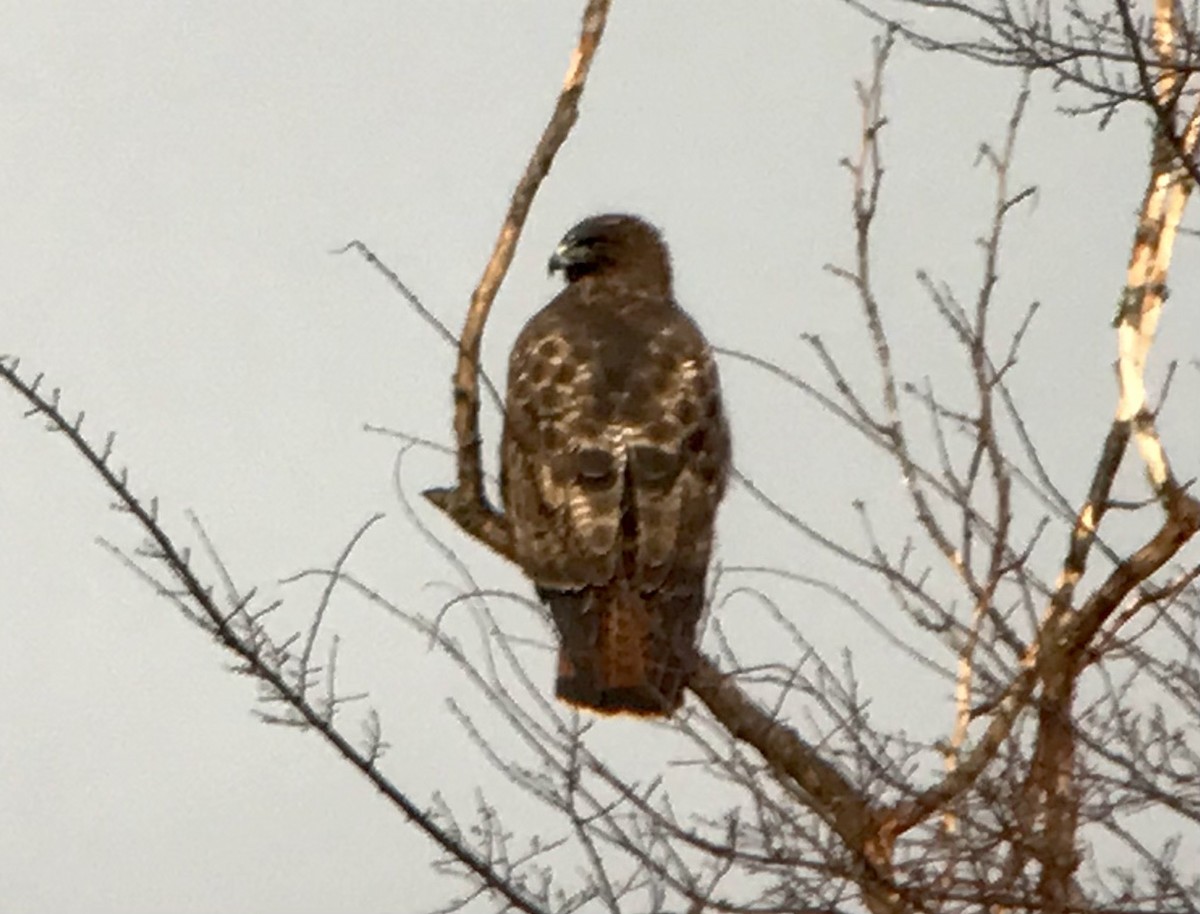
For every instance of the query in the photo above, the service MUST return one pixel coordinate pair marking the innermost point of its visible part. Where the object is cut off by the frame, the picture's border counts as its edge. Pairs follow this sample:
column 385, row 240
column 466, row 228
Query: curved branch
column 466, row 503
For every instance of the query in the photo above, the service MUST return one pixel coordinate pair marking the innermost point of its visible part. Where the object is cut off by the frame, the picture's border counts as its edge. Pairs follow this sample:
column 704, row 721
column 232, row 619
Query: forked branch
column 1052, row 805
column 467, row 503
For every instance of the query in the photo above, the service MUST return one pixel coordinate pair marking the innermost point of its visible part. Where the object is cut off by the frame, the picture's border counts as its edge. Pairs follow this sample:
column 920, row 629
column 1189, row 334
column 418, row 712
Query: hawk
column 614, row 457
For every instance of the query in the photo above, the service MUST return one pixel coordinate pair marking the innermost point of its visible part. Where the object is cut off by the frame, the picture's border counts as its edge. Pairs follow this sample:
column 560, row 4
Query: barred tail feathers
column 623, row 651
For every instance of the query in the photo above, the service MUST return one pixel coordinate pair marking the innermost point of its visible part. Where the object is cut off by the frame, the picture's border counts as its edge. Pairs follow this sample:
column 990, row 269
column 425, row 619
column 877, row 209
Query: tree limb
column 466, row 503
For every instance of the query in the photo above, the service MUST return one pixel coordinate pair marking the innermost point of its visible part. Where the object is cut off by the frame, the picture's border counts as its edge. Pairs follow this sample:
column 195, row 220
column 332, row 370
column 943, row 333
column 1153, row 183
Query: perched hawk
column 614, row 458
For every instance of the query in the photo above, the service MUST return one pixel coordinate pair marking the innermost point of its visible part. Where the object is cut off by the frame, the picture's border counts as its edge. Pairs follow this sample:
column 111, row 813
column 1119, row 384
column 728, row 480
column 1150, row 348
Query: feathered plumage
column 613, row 461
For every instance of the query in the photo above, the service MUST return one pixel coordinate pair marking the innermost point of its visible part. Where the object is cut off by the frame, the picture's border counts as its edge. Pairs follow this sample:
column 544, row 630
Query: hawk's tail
column 623, row 651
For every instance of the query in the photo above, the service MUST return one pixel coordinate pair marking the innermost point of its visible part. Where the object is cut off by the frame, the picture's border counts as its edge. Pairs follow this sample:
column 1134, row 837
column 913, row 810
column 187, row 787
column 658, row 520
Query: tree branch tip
column 1018, row 199
column 441, row 498
column 352, row 245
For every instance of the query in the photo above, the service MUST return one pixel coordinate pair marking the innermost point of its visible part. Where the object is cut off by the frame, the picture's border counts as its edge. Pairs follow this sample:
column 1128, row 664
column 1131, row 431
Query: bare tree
column 1074, row 669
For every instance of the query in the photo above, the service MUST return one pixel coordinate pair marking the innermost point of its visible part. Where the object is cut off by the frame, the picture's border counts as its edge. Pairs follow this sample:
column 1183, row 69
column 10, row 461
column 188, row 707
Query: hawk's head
column 614, row 242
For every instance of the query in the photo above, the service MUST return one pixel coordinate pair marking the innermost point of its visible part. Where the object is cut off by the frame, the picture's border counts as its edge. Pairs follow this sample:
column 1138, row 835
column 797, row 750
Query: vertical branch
column 867, row 174
column 1052, row 808
column 962, row 707
column 466, row 503
column 986, row 441
column 1162, row 211
column 1166, row 197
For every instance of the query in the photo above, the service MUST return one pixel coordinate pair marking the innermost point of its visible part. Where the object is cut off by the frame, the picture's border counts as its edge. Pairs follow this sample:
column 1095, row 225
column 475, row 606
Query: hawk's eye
column 594, row 249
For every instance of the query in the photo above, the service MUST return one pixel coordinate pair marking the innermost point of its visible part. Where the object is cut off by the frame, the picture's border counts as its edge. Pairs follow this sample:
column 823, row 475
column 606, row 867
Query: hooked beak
column 560, row 260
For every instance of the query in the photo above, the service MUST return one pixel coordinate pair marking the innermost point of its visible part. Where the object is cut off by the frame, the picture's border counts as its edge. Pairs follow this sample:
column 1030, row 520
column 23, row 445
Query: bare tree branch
column 245, row 639
column 466, row 503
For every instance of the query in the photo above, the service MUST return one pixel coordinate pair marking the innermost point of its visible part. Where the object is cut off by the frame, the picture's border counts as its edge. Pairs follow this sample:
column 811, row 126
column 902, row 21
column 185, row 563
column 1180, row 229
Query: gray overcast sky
column 172, row 178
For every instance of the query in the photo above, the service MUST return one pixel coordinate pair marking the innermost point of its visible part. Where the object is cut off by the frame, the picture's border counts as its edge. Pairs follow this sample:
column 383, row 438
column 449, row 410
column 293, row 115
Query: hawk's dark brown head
column 613, row 243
